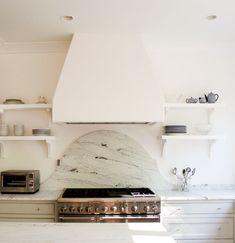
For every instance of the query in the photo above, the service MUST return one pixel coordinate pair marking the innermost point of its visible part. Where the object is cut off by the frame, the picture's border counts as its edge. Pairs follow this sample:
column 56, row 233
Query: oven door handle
column 130, row 218
column 76, row 219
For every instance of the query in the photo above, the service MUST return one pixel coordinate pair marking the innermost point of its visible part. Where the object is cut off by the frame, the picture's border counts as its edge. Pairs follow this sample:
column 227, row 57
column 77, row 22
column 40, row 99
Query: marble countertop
column 84, row 233
column 198, row 195
column 52, row 195
column 41, row 195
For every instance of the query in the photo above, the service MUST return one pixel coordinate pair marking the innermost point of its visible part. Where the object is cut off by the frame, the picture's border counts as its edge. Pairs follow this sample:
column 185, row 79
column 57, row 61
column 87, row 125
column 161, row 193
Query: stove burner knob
column 155, row 208
column 123, row 209
column 80, row 209
column 146, row 209
column 134, row 209
column 104, row 209
column 72, row 209
column 63, row 209
column 89, row 209
column 114, row 209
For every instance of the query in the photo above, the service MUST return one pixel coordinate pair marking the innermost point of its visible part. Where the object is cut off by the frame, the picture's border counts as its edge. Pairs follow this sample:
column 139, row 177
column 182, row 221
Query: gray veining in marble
column 106, row 158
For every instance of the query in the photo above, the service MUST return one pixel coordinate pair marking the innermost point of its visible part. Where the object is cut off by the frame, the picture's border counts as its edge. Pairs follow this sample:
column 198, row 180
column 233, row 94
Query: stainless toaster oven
column 20, row 181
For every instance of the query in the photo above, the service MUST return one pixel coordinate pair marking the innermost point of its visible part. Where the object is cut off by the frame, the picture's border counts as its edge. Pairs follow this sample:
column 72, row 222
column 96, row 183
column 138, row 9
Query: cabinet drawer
column 200, row 228
column 27, row 220
column 27, row 208
column 171, row 209
column 205, row 241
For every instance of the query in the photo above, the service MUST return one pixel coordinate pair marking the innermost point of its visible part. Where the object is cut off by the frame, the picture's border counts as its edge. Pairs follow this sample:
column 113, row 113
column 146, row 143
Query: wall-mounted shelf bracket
column 163, row 146
column 210, row 138
column 2, row 152
column 47, row 139
column 211, row 143
column 48, row 142
column 209, row 114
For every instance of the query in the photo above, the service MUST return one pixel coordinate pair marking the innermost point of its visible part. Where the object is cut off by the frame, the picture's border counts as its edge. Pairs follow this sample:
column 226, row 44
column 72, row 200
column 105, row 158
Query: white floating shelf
column 210, row 138
column 210, row 107
column 47, row 139
column 4, row 107
column 191, row 137
column 26, row 138
column 193, row 105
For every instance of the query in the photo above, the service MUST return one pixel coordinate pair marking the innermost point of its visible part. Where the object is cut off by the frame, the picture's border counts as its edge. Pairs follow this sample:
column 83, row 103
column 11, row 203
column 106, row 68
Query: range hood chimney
column 107, row 78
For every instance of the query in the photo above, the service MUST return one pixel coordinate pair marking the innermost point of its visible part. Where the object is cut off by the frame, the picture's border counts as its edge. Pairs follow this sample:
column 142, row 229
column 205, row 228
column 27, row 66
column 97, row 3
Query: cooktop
column 107, row 192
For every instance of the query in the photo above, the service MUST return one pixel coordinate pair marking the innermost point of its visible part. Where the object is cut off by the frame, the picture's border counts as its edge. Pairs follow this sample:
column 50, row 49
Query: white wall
column 182, row 70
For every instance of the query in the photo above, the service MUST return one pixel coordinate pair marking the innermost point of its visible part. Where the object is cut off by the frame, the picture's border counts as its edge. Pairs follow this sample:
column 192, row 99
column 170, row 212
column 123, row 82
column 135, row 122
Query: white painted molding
column 33, row 47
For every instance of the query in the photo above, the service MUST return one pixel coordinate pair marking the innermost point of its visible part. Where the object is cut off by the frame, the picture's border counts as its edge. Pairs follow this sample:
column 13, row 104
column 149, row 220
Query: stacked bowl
column 41, row 132
column 4, row 129
column 175, row 129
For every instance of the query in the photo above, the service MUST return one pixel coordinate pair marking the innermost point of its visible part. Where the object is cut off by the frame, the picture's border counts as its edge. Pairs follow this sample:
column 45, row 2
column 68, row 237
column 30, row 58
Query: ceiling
column 169, row 20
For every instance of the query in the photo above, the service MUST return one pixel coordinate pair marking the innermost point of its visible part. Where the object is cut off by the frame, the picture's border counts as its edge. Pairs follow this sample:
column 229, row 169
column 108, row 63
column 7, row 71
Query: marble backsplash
column 106, row 158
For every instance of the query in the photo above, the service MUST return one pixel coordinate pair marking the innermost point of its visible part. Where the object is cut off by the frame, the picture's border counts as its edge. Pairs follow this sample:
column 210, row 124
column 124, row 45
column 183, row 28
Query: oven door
column 14, row 182
column 77, row 218
column 128, row 218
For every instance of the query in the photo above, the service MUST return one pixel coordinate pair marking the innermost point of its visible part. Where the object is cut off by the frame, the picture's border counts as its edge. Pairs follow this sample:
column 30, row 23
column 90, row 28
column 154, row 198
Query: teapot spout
column 206, row 97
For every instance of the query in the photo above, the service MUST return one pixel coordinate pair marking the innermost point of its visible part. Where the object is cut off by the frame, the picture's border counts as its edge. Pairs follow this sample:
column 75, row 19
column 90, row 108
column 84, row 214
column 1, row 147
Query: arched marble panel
column 106, row 158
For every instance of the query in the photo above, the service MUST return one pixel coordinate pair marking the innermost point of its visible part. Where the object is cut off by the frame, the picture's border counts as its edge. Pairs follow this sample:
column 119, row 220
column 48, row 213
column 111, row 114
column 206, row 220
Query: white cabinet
column 27, row 211
column 205, row 241
column 199, row 221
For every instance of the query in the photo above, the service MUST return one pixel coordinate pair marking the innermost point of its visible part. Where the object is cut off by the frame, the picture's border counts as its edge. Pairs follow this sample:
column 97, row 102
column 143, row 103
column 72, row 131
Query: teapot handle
column 216, row 97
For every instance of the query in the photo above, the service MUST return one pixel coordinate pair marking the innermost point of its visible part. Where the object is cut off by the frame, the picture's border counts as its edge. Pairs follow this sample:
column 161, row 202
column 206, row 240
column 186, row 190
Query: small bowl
column 41, row 132
column 203, row 128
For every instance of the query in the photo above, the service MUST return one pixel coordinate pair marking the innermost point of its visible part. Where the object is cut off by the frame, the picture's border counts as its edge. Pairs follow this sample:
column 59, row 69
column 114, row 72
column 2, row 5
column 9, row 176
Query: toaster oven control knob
column 63, row 209
column 80, row 209
column 72, row 209
column 104, row 209
column 89, row 209
column 146, row 208
column 114, row 209
column 134, row 209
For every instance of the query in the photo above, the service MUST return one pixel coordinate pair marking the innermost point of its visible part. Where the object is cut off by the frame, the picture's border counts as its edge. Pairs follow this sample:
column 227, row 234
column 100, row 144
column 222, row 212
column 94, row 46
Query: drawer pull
column 219, row 229
column 173, row 231
column 218, row 209
column 38, row 209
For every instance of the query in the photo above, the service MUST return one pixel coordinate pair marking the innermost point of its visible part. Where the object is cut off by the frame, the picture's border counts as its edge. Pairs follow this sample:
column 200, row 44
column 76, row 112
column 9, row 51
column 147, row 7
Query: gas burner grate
column 107, row 192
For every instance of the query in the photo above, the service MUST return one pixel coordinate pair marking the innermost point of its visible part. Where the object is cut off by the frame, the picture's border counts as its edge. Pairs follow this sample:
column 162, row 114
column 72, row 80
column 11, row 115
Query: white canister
column 19, row 130
column 4, row 130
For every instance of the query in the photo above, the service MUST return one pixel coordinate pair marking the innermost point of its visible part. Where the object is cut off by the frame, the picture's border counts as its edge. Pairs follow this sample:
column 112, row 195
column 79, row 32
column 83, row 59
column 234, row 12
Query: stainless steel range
column 106, row 205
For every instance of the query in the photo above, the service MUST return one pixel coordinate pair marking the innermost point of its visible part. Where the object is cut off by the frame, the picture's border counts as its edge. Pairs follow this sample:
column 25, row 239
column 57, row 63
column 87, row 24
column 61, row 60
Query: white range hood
column 107, row 78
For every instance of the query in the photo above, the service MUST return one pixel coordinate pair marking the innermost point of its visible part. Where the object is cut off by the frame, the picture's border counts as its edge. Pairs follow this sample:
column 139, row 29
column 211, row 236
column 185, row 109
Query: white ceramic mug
column 19, row 130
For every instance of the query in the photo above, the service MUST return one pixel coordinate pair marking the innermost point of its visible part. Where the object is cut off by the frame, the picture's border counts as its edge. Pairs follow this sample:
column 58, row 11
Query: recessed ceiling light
column 67, row 18
column 211, row 17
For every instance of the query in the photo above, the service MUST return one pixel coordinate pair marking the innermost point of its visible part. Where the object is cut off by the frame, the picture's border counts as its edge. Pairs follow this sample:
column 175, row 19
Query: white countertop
column 41, row 195
column 84, row 233
column 52, row 195
column 198, row 195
